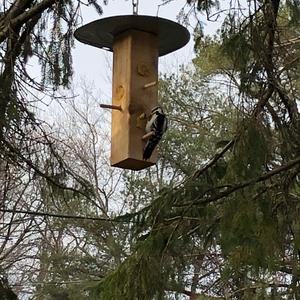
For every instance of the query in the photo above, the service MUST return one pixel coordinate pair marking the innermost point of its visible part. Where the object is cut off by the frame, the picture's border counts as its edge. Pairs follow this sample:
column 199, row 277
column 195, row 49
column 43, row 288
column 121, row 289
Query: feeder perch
column 136, row 42
column 117, row 107
column 148, row 135
column 150, row 84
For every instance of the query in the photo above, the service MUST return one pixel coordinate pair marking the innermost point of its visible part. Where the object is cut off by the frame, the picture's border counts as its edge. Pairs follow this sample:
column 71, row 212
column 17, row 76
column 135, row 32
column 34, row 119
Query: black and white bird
column 158, row 125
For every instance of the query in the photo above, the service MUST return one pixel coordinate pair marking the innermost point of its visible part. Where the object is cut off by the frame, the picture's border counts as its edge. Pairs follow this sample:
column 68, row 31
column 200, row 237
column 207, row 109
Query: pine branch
column 17, row 8
column 190, row 294
column 22, row 18
column 61, row 216
column 263, row 101
column 212, row 161
column 247, row 183
column 39, row 172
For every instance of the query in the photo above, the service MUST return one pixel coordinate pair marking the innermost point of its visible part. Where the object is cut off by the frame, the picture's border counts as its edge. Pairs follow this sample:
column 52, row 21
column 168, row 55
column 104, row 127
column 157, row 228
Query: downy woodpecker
column 158, row 125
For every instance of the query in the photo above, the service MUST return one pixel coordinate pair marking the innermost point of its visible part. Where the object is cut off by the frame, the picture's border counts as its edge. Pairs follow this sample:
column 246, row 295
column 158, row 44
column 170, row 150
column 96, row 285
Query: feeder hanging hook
column 135, row 6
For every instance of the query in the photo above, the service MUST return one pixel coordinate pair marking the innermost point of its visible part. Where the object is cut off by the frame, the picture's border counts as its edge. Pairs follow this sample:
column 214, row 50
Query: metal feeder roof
column 101, row 33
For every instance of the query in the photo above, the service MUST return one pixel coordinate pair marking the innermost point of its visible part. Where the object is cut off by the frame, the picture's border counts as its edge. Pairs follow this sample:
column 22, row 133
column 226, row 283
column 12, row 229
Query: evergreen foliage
column 6, row 292
column 218, row 217
column 226, row 230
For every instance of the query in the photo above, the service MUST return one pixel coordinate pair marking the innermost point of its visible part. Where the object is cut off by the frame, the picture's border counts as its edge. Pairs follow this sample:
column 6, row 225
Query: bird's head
column 157, row 109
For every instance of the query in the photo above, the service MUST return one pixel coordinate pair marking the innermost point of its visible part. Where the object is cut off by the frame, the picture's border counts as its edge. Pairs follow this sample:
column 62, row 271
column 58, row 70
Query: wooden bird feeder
column 137, row 42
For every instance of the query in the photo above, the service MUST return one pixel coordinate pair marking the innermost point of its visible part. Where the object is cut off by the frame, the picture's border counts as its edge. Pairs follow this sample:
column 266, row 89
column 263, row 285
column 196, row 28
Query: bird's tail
column 150, row 146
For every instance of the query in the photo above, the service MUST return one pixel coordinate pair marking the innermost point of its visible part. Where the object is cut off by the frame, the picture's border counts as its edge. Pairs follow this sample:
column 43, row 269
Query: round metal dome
column 101, row 33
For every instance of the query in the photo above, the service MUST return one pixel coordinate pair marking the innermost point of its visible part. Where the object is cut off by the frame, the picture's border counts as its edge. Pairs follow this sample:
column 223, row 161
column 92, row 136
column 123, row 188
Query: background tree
column 217, row 218
column 241, row 207
column 39, row 31
column 74, row 252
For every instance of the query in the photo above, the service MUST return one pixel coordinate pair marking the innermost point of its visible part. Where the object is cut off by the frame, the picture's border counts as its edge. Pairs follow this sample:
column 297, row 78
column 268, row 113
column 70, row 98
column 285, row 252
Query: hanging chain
column 135, row 6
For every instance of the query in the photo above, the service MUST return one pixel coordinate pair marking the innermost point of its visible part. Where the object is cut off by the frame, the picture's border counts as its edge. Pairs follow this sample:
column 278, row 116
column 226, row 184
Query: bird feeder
column 136, row 42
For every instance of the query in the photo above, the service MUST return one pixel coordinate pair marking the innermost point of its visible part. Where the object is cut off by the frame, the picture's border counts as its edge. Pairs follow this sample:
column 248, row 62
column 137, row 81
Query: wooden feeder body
column 136, row 42
column 135, row 64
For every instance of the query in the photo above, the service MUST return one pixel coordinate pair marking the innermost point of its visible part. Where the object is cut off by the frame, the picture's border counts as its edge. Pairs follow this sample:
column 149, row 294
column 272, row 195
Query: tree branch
column 62, row 216
column 261, row 178
column 213, row 160
column 24, row 17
